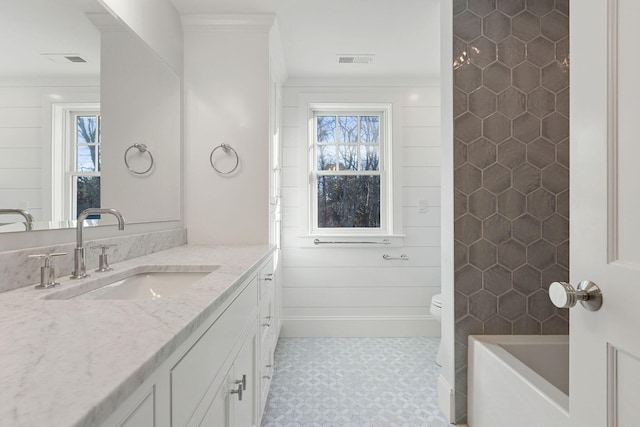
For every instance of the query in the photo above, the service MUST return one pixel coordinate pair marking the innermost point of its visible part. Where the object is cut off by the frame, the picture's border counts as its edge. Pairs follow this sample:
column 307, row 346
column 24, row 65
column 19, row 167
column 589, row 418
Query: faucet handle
column 103, row 258
column 103, row 247
column 47, row 271
column 47, row 257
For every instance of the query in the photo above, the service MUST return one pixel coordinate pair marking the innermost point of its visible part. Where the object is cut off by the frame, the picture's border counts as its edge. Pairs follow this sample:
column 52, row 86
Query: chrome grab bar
column 403, row 257
column 342, row 242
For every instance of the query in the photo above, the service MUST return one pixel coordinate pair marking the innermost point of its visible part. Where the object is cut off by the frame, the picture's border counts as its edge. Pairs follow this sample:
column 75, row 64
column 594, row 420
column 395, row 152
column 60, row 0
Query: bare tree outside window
column 87, row 169
column 348, row 174
column 87, row 139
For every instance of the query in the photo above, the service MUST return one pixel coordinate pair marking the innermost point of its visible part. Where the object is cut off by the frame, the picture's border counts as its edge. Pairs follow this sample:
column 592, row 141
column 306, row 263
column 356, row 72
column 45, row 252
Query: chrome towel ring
column 142, row 148
column 226, row 148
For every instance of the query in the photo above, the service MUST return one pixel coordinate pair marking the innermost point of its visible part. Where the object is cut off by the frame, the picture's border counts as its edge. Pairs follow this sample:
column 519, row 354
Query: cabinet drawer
column 192, row 376
column 266, row 276
column 267, row 289
column 266, row 372
column 267, row 320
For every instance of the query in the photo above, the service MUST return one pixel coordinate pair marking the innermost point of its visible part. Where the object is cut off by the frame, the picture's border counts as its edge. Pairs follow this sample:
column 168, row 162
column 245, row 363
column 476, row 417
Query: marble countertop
column 73, row 362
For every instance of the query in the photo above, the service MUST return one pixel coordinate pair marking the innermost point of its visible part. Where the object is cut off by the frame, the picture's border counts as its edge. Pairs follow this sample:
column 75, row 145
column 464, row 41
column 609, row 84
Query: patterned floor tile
column 354, row 382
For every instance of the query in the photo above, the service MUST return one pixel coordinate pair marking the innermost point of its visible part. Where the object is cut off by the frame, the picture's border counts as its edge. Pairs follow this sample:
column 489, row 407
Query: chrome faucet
column 25, row 213
column 79, row 258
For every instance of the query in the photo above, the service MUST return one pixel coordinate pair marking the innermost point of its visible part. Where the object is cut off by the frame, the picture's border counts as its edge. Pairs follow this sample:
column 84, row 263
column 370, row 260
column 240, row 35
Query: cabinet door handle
column 243, row 381
column 238, row 392
column 269, row 320
column 267, row 377
column 268, row 276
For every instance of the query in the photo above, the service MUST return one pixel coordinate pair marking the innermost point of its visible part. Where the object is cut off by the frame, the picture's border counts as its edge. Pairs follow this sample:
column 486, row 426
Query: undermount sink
column 154, row 285
column 138, row 284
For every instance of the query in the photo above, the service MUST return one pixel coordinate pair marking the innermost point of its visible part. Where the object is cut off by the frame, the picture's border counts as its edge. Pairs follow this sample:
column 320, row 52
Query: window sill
column 352, row 241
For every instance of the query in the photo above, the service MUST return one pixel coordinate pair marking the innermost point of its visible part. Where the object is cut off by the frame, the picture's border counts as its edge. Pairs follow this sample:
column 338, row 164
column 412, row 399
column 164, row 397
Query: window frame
column 384, row 170
column 64, row 167
column 74, row 173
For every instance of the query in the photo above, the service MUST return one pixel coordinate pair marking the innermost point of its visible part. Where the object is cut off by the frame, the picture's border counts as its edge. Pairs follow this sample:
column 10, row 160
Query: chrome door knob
column 563, row 295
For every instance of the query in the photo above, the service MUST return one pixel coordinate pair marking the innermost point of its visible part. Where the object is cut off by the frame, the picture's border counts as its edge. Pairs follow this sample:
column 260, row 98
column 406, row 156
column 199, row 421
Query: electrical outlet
column 423, row 205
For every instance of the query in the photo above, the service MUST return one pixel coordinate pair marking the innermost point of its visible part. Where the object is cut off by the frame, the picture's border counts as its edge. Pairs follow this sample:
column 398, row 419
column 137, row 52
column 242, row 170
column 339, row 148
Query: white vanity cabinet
column 220, row 376
column 218, row 414
column 234, row 404
column 269, row 329
column 200, row 371
column 143, row 414
column 244, row 412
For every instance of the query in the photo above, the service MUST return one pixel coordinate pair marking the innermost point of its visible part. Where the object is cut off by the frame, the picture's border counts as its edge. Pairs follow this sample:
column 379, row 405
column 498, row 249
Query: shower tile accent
column 511, row 177
column 354, row 382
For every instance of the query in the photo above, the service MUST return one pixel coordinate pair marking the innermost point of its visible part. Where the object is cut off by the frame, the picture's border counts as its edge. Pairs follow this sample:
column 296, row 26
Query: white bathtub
column 518, row 380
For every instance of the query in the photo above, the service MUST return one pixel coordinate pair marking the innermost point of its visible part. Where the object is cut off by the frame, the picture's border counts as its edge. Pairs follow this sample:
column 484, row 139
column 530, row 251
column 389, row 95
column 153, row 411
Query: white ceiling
column 404, row 35
column 30, row 28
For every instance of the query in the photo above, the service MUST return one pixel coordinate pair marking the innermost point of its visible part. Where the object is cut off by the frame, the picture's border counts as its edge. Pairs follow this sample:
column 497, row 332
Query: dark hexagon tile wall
column 511, row 130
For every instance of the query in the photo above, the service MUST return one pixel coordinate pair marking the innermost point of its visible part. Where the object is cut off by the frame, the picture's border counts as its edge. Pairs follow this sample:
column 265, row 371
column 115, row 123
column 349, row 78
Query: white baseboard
column 408, row 326
column 446, row 399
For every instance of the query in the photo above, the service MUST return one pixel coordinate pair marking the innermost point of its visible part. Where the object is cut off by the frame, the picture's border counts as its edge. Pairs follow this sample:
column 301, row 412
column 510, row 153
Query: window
column 76, row 164
column 350, row 171
column 85, row 172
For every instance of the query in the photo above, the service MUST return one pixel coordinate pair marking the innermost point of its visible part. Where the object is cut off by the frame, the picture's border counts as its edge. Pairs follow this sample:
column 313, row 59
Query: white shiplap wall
column 20, row 149
column 337, row 291
column 25, row 139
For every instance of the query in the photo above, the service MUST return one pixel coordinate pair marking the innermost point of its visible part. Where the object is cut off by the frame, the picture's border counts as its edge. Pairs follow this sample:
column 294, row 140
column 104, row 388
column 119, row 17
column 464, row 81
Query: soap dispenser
column 47, row 271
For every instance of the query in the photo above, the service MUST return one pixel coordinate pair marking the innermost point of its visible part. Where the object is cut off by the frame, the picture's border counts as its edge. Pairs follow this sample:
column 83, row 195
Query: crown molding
column 363, row 82
column 249, row 22
column 105, row 22
column 74, row 82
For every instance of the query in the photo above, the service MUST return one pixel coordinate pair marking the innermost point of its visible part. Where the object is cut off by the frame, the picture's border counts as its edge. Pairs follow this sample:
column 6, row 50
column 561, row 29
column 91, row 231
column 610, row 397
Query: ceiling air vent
column 62, row 58
column 75, row 58
column 355, row 59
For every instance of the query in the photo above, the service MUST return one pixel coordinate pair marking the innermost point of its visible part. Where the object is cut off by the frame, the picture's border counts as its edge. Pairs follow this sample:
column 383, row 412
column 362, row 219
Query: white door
column 244, row 369
column 218, row 413
column 605, row 211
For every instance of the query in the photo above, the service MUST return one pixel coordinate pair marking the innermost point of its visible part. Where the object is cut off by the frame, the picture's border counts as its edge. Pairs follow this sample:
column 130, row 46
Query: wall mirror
column 77, row 89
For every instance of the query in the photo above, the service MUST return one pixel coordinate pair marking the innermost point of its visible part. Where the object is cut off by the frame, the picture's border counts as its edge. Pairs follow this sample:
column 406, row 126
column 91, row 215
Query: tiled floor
column 386, row 382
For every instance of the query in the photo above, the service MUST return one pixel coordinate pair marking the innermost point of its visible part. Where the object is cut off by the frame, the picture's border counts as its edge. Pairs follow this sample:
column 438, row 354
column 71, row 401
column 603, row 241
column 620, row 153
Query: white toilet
column 435, row 310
